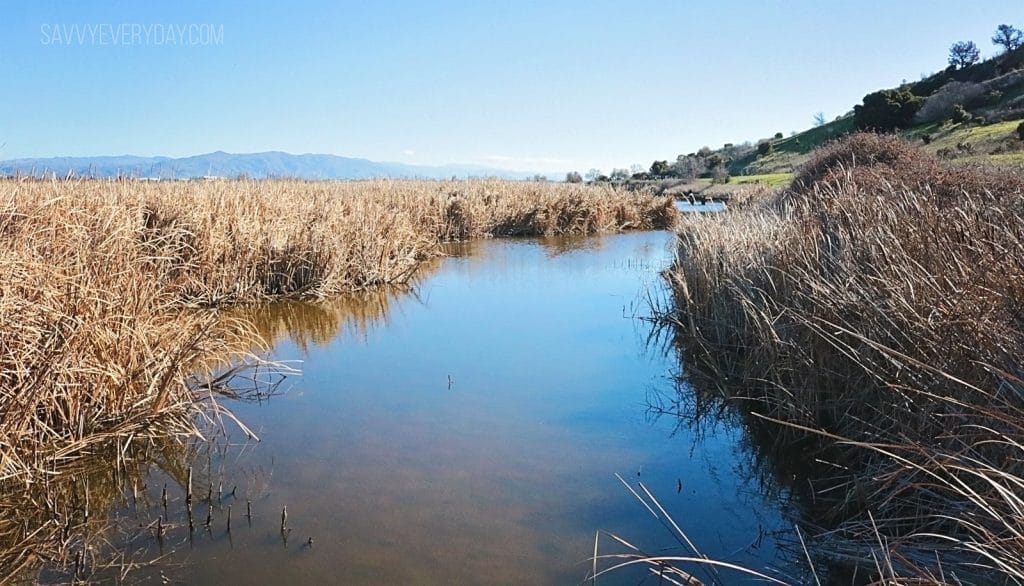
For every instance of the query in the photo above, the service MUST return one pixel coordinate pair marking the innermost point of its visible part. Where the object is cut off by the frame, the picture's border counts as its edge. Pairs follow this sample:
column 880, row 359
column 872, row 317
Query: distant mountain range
column 257, row 165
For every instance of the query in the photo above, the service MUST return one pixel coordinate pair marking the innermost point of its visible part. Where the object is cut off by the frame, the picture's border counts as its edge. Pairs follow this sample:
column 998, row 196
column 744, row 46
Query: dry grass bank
column 871, row 316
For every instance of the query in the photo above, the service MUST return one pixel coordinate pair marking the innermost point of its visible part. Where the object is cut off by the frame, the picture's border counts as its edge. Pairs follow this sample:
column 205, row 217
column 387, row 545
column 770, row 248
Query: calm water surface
column 469, row 432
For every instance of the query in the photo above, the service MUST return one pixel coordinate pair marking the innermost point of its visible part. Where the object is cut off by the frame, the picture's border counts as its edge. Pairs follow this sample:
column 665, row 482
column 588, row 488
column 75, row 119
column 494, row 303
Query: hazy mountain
column 269, row 164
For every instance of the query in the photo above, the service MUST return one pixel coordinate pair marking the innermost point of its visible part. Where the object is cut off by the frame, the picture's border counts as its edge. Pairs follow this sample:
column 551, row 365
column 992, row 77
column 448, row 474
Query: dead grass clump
column 861, row 150
column 879, row 320
column 878, row 162
column 93, row 344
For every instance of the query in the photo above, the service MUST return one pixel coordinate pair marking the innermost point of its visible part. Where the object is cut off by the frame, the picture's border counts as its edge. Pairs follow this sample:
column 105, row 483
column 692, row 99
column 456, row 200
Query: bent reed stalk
column 871, row 317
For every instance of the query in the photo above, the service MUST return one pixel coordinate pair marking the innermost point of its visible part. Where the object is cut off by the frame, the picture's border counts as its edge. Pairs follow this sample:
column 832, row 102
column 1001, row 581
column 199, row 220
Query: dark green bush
column 960, row 114
column 887, row 110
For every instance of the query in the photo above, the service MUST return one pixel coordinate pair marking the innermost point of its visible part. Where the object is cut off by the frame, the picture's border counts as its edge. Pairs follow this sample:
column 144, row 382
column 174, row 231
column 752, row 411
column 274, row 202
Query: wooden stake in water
column 284, row 519
column 229, row 518
column 188, row 489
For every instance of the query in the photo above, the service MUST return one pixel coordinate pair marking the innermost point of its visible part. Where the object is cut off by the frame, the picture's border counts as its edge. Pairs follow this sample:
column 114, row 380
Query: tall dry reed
column 871, row 315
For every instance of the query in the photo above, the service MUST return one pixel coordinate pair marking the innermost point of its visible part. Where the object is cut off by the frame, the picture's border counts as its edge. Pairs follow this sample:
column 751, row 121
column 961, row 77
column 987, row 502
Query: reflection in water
column 95, row 517
column 60, row 530
column 318, row 322
column 469, row 433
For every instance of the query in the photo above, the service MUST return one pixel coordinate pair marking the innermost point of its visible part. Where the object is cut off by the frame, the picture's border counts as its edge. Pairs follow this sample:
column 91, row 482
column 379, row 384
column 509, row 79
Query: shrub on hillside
column 887, row 110
column 960, row 115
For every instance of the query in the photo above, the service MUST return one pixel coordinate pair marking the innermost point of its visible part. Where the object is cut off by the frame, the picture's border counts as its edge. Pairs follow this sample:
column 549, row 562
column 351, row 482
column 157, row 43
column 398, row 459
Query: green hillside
column 968, row 114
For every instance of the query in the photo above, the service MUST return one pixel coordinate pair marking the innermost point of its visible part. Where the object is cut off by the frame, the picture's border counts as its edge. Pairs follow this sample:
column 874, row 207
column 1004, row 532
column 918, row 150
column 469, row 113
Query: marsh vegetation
column 866, row 322
column 113, row 341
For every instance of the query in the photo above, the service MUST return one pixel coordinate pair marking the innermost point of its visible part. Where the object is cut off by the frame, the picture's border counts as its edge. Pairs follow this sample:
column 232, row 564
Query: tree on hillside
column 819, row 119
column 687, row 167
column 573, row 177
column 1008, row 37
column 887, row 110
column 659, row 168
column 619, row 174
column 963, row 54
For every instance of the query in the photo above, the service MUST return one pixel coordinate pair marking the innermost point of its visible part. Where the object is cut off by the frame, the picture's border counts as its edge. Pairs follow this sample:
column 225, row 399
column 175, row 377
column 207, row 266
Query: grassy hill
column 991, row 94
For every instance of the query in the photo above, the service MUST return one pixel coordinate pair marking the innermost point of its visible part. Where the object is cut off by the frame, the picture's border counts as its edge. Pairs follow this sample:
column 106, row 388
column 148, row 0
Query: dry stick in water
column 284, row 519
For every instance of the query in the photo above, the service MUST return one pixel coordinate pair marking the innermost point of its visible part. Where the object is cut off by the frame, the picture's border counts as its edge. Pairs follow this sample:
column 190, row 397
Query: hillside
column 968, row 114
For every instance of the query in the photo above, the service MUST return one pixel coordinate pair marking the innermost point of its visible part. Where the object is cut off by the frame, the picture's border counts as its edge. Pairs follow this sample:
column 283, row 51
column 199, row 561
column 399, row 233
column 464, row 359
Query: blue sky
column 545, row 86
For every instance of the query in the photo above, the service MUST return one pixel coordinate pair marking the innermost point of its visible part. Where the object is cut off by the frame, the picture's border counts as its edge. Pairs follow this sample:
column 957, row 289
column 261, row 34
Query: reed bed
column 240, row 241
column 871, row 317
column 110, row 346
column 105, row 339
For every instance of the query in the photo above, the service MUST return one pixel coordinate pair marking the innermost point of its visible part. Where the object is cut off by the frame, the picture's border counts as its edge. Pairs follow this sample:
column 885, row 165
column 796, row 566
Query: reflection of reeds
column 62, row 523
column 872, row 315
column 318, row 322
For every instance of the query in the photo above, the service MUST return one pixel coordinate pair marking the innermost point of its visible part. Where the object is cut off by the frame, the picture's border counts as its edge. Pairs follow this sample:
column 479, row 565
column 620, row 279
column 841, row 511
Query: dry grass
column 231, row 241
column 97, row 272
column 872, row 315
column 93, row 343
column 100, row 344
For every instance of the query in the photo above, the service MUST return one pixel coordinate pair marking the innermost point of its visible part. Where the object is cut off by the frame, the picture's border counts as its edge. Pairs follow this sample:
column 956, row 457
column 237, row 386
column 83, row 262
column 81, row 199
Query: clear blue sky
column 543, row 86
